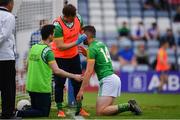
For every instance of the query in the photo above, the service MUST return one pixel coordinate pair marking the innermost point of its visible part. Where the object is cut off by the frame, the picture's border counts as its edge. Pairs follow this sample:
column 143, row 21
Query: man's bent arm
column 88, row 73
column 63, row 46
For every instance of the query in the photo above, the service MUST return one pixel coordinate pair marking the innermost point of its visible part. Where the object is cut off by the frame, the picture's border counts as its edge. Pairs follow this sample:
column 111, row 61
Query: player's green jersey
column 103, row 65
column 39, row 74
column 58, row 29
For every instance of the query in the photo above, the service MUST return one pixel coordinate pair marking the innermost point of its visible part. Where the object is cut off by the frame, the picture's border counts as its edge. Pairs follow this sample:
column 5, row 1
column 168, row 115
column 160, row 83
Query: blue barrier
column 148, row 81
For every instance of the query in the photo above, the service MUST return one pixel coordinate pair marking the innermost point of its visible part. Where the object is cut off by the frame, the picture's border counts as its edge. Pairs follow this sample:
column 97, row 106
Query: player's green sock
column 59, row 106
column 123, row 107
column 79, row 106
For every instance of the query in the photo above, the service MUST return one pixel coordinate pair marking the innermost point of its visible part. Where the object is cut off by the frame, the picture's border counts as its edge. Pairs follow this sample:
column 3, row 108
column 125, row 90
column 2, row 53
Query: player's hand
column 79, row 95
column 82, row 50
column 81, row 39
column 78, row 77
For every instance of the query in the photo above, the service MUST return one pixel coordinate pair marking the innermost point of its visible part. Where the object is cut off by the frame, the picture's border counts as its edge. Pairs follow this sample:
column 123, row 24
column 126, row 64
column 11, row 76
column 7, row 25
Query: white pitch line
column 79, row 118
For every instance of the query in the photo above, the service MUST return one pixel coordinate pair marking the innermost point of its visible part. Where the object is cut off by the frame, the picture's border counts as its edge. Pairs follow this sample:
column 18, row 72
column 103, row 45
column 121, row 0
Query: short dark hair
column 90, row 29
column 69, row 10
column 47, row 30
column 154, row 24
column 163, row 42
column 5, row 2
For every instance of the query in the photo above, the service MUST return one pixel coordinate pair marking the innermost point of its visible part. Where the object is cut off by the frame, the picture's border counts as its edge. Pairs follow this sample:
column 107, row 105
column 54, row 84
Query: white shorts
column 110, row 86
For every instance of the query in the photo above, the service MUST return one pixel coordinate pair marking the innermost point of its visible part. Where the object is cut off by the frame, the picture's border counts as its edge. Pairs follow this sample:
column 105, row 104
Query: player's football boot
column 134, row 107
column 61, row 114
column 82, row 112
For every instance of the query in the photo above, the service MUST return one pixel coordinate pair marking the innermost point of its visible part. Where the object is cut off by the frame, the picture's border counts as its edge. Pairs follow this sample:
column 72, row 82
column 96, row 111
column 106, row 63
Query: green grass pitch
column 154, row 106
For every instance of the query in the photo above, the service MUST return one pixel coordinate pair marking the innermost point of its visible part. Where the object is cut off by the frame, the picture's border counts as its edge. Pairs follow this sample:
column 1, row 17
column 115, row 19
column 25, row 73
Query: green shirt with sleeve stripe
column 58, row 29
column 39, row 75
column 103, row 64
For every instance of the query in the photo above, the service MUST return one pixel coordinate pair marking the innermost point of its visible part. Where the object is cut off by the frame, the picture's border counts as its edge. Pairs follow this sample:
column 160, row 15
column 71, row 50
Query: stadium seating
column 142, row 68
column 153, row 44
column 136, row 13
column 108, row 15
column 127, row 68
column 137, row 43
column 149, row 13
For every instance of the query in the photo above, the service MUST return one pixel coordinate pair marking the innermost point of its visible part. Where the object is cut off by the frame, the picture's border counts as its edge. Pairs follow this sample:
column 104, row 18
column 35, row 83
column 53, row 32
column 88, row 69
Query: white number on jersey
column 106, row 54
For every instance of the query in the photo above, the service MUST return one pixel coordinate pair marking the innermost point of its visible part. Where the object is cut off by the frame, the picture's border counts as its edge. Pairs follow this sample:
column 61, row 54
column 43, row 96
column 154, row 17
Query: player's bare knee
column 99, row 113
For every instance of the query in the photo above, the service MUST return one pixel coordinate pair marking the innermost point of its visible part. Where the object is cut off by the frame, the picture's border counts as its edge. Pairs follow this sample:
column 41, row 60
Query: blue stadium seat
column 149, row 13
column 85, row 19
column 170, row 52
column 134, row 5
column 120, row 1
column 153, row 44
column 178, row 51
column 122, row 5
column 142, row 68
column 111, row 35
column 124, row 42
column 79, row 1
column 135, row 1
column 137, row 43
column 135, row 13
column 179, row 60
column 83, row 11
column 162, row 14
column 171, row 59
column 122, row 13
column 152, row 52
column 127, row 68
column 172, row 12
column 82, row 4
column 99, row 35
column 110, row 42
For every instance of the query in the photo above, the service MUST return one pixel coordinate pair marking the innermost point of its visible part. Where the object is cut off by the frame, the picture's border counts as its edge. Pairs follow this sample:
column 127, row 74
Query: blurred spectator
column 174, row 3
column 178, row 38
column 170, row 38
column 36, row 36
column 156, row 4
column 162, row 65
column 124, row 30
column 153, row 32
column 149, row 4
column 141, row 55
column 114, row 52
column 177, row 15
column 138, row 32
column 126, row 54
column 163, row 4
column 114, row 57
